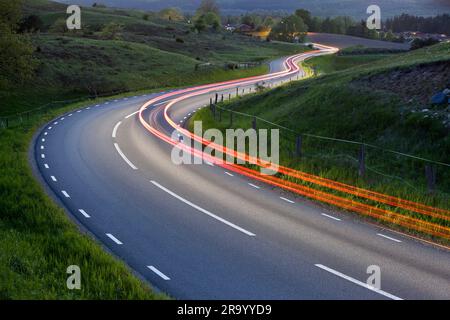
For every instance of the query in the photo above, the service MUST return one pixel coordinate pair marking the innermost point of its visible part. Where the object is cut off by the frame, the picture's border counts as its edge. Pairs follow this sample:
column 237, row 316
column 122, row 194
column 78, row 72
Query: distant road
column 342, row 41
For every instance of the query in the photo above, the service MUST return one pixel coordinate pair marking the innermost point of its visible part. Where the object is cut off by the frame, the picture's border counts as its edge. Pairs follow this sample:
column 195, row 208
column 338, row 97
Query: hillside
column 354, row 8
column 374, row 99
column 149, row 52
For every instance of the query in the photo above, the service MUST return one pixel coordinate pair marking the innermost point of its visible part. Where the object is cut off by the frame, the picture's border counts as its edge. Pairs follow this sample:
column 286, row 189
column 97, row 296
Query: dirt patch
column 413, row 85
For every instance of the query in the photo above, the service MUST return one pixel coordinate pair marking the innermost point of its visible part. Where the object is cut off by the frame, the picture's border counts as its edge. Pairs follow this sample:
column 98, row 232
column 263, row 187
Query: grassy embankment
column 342, row 103
column 37, row 240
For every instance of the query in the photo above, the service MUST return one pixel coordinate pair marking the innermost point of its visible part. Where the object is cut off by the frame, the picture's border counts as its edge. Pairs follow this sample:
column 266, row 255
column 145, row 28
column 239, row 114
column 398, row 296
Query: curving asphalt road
column 204, row 232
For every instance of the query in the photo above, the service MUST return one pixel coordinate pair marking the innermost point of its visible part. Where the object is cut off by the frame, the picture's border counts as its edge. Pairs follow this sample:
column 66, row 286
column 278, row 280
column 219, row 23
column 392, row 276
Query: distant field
column 331, row 63
column 343, row 41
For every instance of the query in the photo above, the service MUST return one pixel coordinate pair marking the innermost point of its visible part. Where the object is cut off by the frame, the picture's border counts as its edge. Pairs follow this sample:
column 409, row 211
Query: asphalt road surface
column 204, row 232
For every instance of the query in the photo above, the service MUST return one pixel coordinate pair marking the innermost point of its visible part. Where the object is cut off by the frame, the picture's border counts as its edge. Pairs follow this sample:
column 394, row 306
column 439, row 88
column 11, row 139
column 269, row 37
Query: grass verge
column 38, row 241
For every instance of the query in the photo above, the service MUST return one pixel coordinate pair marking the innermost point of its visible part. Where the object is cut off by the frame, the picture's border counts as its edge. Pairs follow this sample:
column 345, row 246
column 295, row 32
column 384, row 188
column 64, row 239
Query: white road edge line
column 65, row 194
column 117, row 241
column 159, row 273
column 287, row 200
column 124, row 157
column 254, row 185
column 331, row 217
column 227, row 173
column 387, row 237
column 84, row 213
column 114, row 133
column 212, row 215
column 362, row 284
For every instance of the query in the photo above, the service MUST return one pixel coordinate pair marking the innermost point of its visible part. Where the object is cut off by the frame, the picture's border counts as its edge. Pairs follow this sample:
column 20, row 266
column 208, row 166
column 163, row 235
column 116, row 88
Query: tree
column 204, row 21
column 289, row 29
column 172, row 14
column 59, row 26
column 268, row 21
column 248, row 20
column 306, row 16
column 30, row 23
column 207, row 6
column 200, row 24
column 111, row 31
column 212, row 20
column 16, row 52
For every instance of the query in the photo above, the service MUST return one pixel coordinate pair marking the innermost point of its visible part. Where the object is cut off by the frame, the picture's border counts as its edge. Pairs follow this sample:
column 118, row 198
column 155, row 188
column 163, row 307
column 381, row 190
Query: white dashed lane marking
column 331, row 217
column 159, row 273
column 84, row 213
column 387, row 237
column 65, row 194
column 212, row 215
column 287, row 200
column 117, row 241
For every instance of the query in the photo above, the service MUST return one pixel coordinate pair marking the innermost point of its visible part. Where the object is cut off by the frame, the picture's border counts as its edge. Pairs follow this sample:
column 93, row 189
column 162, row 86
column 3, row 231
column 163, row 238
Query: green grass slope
column 347, row 103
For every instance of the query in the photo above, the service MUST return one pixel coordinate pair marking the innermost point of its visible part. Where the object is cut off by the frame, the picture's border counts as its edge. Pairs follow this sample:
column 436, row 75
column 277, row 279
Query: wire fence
column 21, row 118
column 346, row 159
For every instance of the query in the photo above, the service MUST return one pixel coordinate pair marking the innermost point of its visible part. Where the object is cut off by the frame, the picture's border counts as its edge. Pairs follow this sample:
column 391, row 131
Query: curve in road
column 205, row 232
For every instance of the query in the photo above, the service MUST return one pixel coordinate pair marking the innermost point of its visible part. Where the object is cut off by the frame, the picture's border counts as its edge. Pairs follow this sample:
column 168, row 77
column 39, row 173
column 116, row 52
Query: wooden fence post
column 362, row 160
column 298, row 146
column 430, row 174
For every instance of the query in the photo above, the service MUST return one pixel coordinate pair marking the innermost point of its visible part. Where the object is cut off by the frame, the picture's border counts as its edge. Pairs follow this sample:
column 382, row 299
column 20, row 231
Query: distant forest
column 405, row 22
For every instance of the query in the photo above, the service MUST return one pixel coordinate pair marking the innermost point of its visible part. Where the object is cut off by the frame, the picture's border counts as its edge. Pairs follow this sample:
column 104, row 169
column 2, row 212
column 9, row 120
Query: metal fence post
column 217, row 97
column 430, row 174
column 298, row 146
column 222, row 98
column 362, row 160
column 231, row 118
column 237, row 92
column 254, row 123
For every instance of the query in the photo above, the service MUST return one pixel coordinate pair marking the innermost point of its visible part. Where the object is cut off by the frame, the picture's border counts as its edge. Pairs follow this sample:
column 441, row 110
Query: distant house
column 259, row 32
column 243, row 28
column 230, row 28
column 410, row 36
